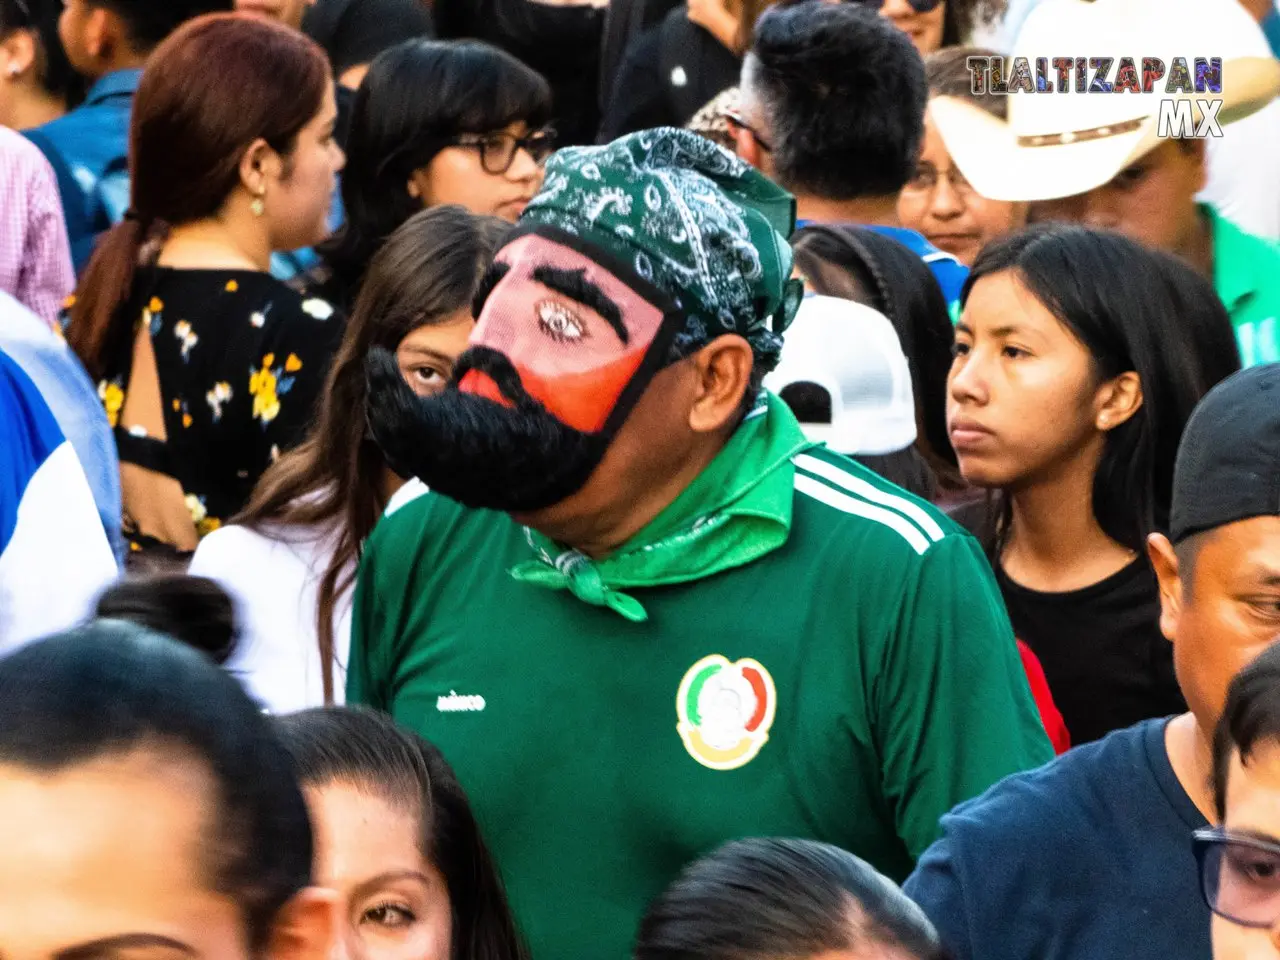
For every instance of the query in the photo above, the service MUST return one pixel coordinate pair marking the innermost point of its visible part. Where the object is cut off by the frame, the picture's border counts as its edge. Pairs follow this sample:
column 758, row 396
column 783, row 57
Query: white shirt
column 275, row 585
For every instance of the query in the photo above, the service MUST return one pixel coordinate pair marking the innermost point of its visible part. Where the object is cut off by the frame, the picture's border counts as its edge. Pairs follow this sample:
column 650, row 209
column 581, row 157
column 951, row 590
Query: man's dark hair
column 150, row 21
column 760, row 898
column 1250, row 719
column 110, row 688
column 843, row 93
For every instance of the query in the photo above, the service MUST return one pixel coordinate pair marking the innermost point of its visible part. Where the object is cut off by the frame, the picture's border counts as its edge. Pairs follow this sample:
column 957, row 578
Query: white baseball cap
column 853, row 354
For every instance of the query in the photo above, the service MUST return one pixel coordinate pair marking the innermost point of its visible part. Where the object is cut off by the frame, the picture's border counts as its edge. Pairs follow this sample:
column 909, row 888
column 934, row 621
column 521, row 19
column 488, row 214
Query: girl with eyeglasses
column 434, row 123
column 37, row 83
column 938, row 201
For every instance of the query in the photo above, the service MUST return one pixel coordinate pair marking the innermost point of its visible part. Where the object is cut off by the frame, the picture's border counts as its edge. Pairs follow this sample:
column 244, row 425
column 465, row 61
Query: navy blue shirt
column 1086, row 858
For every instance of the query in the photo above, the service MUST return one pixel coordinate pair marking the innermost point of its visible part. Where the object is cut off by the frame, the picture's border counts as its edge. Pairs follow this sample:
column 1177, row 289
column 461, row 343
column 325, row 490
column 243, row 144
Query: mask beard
column 482, row 454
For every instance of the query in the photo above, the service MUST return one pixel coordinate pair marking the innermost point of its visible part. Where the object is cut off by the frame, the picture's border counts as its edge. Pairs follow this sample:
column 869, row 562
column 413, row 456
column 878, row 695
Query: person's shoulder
column 22, row 156
column 852, row 498
column 1095, row 783
column 418, row 521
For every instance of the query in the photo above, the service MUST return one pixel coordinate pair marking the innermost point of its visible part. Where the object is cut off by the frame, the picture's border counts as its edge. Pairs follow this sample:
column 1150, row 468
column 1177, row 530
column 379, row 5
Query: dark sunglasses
column 498, row 150
column 919, row 6
column 1239, row 877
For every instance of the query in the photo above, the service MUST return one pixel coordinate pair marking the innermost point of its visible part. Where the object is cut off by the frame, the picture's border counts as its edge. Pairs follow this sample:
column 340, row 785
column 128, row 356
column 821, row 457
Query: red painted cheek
column 482, row 385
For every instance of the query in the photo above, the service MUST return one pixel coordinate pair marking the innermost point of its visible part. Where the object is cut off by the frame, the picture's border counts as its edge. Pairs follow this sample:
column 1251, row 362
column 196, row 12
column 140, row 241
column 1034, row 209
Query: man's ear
column 306, row 927
column 745, row 146
column 723, row 369
column 1165, row 561
column 103, row 33
column 1200, row 157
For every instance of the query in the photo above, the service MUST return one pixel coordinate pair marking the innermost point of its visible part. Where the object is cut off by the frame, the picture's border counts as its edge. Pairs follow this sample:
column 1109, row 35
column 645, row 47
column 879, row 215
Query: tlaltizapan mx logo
column 1093, row 76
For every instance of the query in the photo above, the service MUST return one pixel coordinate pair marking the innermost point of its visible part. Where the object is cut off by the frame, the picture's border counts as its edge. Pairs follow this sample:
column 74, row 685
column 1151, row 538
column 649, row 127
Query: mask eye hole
column 560, row 323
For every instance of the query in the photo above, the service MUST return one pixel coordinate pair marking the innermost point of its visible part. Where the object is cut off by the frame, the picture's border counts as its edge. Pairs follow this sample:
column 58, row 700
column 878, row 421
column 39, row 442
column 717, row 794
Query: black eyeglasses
column 735, row 120
column 1239, row 877
column 498, row 150
column 919, row 6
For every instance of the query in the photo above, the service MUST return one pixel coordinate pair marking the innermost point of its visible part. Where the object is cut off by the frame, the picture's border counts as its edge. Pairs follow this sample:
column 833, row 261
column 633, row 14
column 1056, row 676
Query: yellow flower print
column 317, row 308
column 177, row 404
column 186, row 419
column 293, row 364
column 70, row 302
column 156, row 305
column 232, row 286
column 196, row 507
column 262, row 387
column 182, row 330
column 207, row 526
column 112, row 400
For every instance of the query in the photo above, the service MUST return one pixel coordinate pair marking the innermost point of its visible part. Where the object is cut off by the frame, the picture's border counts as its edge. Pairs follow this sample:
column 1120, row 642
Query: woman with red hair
column 207, row 366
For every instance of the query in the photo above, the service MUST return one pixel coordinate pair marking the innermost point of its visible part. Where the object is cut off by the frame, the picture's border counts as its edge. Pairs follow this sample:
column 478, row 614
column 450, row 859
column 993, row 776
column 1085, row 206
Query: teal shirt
column 852, row 686
column 1246, row 274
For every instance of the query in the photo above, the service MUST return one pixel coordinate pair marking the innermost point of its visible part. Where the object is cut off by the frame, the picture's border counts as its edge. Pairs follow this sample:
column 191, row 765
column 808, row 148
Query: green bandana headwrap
column 691, row 218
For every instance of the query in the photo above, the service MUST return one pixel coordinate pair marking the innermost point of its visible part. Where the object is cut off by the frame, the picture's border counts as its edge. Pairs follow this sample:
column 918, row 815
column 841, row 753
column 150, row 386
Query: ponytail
column 98, row 319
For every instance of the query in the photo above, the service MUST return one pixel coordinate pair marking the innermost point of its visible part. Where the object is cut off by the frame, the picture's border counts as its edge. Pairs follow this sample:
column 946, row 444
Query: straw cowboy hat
column 1061, row 144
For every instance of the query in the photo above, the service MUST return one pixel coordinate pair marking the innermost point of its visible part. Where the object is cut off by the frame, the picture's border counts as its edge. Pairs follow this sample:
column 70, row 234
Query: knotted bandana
column 735, row 512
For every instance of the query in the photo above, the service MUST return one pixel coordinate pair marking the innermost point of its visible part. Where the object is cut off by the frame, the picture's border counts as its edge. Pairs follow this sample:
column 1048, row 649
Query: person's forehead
column 1253, row 791
column 525, row 254
column 1243, row 550
column 360, row 833
column 109, row 846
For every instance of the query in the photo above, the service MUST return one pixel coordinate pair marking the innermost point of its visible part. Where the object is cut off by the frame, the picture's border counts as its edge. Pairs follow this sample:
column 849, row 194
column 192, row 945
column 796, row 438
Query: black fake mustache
column 514, row 459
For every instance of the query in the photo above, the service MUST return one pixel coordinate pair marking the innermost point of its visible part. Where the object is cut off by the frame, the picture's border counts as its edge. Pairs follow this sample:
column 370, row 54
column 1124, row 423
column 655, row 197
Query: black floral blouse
column 241, row 359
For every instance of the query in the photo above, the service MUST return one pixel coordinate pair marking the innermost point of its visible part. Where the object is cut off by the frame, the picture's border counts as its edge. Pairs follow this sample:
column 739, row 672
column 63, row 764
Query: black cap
column 1228, row 465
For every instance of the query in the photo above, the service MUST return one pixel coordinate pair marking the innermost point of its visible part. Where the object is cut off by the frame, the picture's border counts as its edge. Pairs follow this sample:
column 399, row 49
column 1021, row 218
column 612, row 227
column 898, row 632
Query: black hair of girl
column 764, row 898
column 416, row 97
column 856, row 263
column 366, row 749
column 53, row 68
column 1137, row 310
column 193, row 610
column 111, row 687
column 427, row 271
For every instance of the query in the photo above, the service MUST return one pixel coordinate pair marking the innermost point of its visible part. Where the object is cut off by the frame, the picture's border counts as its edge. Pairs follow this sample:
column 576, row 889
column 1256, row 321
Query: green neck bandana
column 736, row 511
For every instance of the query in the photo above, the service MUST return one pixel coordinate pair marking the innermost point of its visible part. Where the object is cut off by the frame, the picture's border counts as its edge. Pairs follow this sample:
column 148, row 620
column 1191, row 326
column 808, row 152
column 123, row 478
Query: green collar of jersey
column 736, row 511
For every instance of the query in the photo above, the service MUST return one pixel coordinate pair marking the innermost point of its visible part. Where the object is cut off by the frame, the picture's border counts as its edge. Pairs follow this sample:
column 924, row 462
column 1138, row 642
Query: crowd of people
column 708, row 480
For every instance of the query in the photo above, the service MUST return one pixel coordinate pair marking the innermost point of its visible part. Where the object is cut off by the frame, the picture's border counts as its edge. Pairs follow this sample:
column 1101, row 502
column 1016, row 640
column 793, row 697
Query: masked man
column 639, row 613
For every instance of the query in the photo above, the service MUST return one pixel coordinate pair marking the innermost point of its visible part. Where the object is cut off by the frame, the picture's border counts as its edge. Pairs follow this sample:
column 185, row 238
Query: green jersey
column 851, row 685
column 1247, row 277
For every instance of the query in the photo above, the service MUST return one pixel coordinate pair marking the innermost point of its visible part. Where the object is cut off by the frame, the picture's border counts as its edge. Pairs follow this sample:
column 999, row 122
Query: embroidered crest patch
column 725, row 711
